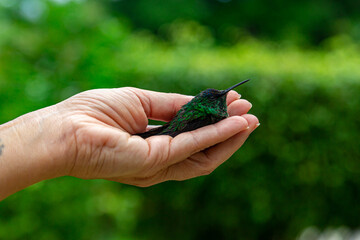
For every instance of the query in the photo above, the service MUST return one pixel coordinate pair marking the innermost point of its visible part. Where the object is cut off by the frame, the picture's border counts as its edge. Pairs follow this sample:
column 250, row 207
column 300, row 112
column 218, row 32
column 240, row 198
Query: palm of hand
column 101, row 122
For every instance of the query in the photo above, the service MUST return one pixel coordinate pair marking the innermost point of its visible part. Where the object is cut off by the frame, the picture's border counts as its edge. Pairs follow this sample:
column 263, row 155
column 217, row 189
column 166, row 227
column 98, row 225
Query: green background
column 299, row 169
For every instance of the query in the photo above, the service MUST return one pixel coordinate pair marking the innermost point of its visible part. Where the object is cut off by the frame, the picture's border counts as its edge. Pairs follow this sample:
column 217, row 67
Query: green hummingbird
column 208, row 107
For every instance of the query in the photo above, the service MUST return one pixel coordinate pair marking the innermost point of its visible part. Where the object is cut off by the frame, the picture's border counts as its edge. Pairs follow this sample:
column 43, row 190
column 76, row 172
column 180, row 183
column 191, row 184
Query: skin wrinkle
column 89, row 110
column 165, row 155
column 147, row 181
column 196, row 143
column 163, row 173
column 90, row 168
column 201, row 162
column 152, row 159
column 162, row 167
column 149, row 105
column 128, row 147
column 168, row 153
column 76, row 152
column 177, row 177
column 146, row 106
column 171, row 149
column 207, row 155
column 173, row 177
column 66, row 135
column 125, row 116
column 142, row 115
column 121, row 137
column 110, row 113
column 111, row 109
column 158, row 177
column 100, row 162
column 153, row 179
column 81, row 154
column 97, row 163
column 127, row 139
column 202, row 166
column 149, row 150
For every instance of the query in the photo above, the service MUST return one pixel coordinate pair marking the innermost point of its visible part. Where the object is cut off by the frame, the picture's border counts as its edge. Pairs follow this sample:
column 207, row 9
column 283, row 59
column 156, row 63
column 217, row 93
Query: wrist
column 28, row 152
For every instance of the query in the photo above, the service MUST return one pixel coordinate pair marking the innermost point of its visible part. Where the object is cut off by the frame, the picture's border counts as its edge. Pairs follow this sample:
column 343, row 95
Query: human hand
column 90, row 136
column 102, row 122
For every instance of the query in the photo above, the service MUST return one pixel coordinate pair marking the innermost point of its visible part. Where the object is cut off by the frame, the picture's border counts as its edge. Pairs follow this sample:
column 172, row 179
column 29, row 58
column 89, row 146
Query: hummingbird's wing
column 193, row 125
column 178, row 125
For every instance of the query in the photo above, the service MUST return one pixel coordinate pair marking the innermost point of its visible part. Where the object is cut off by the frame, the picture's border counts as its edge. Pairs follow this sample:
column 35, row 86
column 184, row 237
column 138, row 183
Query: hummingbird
column 208, row 107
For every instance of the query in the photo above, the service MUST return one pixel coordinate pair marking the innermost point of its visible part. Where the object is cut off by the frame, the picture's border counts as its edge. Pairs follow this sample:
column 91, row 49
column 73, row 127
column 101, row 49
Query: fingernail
column 257, row 124
column 239, row 95
column 247, row 127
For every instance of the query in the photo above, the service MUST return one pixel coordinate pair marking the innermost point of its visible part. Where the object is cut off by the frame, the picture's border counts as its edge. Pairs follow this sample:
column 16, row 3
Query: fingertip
column 239, row 122
column 232, row 96
column 239, row 107
column 252, row 120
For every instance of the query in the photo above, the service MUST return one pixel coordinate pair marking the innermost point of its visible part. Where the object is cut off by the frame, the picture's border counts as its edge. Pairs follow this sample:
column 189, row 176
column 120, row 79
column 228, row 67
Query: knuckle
column 128, row 89
column 159, row 154
column 144, row 184
column 206, row 172
column 208, row 168
column 196, row 142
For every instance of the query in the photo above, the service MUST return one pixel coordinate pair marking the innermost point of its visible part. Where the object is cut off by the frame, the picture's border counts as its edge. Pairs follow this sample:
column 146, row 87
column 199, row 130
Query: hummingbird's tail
column 152, row 132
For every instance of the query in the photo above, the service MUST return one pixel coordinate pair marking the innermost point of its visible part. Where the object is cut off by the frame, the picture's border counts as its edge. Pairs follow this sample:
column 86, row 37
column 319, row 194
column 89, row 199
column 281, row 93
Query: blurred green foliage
column 303, row 21
column 300, row 168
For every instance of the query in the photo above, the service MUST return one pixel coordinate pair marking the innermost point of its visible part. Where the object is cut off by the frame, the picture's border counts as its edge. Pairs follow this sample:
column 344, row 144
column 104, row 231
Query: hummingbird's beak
column 236, row 85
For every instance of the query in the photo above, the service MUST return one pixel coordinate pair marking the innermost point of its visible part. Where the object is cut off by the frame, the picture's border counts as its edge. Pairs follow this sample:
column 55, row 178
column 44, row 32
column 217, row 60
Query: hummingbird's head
column 212, row 94
column 212, row 99
column 215, row 95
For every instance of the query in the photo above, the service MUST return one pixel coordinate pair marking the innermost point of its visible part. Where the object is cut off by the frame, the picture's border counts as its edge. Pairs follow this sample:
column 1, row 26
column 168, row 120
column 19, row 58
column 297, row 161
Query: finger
column 231, row 97
column 199, row 164
column 205, row 162
column 239, row 107
column 226, row 149
column 188, row 143
column 160, row 106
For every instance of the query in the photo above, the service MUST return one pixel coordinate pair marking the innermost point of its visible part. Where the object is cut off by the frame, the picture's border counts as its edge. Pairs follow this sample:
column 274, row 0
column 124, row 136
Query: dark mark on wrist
column 1, row 148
